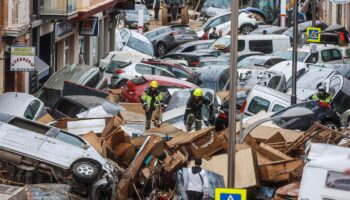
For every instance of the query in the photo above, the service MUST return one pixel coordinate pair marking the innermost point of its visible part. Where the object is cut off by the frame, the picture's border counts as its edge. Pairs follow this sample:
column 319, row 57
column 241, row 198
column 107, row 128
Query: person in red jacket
column 205, row 35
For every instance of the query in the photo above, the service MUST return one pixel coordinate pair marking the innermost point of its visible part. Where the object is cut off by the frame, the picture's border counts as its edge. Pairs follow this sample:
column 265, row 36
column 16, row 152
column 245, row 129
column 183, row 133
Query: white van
column 266, row 44
column 262, row 98
column 324, row 174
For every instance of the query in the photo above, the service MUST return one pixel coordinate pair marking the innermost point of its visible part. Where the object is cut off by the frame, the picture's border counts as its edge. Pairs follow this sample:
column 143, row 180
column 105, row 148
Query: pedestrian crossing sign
column 230, row 194
column 312, row 33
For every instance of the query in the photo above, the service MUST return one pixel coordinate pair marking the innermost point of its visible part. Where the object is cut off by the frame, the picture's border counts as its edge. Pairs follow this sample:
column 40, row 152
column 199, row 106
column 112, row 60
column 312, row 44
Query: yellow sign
column 313, row 34
column 230, row 194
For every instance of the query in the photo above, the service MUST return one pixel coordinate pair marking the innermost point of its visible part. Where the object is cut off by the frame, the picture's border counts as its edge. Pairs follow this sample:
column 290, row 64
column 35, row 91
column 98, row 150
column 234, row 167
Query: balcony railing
column 58, row 7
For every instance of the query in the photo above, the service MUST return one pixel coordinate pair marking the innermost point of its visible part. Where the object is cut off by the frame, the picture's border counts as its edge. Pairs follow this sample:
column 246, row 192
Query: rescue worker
column 322, row 95
column 196, row 182
column 151, row 101
column 193, row 113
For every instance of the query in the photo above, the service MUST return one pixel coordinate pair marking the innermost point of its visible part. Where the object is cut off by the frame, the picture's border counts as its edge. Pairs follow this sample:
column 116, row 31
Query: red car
column 179, row 71
column 136, row 87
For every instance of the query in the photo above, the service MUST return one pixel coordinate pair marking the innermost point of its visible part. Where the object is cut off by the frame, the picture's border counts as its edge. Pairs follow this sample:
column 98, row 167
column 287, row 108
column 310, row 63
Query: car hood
column 303, row 94
column 212, row 11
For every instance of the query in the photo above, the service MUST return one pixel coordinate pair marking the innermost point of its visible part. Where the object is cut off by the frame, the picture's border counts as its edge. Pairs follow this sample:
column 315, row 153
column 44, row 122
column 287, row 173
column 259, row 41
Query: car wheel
column 246, row 29
column 331, row 125
column 161, row 50
column 85, row 172
column 121, row 84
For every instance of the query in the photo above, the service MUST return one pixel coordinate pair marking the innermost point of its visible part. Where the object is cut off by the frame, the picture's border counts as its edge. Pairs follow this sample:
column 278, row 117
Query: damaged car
column 34, row 153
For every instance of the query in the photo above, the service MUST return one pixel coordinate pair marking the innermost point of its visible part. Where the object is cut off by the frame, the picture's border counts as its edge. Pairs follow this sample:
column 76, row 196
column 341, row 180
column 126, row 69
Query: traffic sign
column 230, row 194
column 313, row 34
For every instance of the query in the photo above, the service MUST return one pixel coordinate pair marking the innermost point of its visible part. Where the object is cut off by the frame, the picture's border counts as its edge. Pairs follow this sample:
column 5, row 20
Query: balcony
column 17, row 20
column 88, row 8
column 58, row 9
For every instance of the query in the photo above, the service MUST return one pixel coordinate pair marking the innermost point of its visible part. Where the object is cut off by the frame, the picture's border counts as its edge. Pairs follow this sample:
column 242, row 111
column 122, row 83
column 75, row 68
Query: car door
column 223, row 79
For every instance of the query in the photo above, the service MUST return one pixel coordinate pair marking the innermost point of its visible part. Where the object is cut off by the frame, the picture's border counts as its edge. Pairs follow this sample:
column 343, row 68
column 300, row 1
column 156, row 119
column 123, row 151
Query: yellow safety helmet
column 198, row 92
column 154, row 84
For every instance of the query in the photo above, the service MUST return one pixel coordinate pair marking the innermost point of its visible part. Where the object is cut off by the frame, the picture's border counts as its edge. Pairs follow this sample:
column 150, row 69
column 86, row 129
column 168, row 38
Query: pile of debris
column 151, row 162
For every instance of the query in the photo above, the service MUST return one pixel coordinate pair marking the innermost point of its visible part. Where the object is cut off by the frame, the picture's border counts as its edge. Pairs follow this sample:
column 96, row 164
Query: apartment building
column 62, row 31
column 335, row 13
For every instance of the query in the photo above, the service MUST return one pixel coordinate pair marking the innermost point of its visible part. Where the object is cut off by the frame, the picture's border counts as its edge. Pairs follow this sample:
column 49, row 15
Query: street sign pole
column 233, row 94
column 314, row 2
column 295, row 54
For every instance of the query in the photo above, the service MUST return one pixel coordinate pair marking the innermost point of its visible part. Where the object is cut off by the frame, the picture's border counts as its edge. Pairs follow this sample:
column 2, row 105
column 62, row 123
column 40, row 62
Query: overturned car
column 34, row 153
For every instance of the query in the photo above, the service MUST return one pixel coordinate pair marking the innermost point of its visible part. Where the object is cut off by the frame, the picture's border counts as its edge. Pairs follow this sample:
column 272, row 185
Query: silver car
column 124, row 72
column 37, row 153
column 22, row 105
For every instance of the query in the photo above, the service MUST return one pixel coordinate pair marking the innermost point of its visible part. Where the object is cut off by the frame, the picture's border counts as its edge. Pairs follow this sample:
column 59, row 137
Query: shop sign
column 89, row 26
column 22, row 58
column 63, row 28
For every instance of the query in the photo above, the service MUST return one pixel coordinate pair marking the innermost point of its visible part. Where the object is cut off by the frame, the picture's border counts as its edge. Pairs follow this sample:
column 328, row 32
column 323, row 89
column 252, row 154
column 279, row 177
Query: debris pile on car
column 151, row 164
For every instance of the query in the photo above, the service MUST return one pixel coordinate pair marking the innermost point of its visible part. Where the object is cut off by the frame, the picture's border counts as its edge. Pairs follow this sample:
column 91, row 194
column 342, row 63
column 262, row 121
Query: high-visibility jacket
column 151, row 98
column 326, row 99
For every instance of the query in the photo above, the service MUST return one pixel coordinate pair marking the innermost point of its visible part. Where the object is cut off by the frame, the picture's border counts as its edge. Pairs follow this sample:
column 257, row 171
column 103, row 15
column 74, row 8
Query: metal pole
column 295, row 54
column 233, row 94
column 314, row 13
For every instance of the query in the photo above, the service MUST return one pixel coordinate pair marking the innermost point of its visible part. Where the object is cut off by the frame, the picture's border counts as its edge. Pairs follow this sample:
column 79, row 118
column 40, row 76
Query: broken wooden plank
column 246, row 169
column 128, row 178
column 279, row 171
column 272, row 153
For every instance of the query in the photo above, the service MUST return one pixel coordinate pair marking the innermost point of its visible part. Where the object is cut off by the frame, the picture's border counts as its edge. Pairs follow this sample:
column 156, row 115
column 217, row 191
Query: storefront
column 66, row 44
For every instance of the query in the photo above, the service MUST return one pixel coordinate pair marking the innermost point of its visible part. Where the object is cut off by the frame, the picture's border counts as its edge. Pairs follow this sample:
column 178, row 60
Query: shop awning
column 42, row 69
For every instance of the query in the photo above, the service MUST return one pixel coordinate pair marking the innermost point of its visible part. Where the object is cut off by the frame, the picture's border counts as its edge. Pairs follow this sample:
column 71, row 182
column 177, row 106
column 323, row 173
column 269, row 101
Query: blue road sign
column 230, row 194
column 313, row 34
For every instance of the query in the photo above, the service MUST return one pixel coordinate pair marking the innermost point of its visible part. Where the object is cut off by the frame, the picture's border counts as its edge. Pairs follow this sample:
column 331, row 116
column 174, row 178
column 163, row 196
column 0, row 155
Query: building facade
column 335, row 13
column 63, row 32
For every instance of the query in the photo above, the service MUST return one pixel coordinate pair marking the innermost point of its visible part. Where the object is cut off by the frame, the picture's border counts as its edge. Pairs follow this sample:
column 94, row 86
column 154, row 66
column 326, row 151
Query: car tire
column 185, row 17
column 161, row 49
column 86, row 171
column 330, row 125
column 121, row 84
column 246, row 29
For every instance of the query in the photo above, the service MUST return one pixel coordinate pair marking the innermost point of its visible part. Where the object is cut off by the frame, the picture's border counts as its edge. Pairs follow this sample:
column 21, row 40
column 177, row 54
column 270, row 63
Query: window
column 161, row 31
column 226, row 18
column 274, row 82
column 69, row 109
column 264, row 46
column 143, row 69
column 223, row 80
column 124, row 34
column 180, row 73
column 241, row 45
column 313, row 58
column 189, row 49
column 32, row 109
column 273, row 62
column 161, row 72
column 331, row 55
column 113, row 65
column 347, row 51
column 206, row 46
column 70, row 139
column 29, row 125
column 215, row 22
column 338, row 180
column 258, row 104
column 277, row 108
column 334, row 85
column 93, row 81
column 140, row 46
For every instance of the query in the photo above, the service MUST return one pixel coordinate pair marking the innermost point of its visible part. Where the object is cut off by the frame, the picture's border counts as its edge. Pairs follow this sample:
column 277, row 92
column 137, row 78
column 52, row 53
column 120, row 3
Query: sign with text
column 230, row 194
column 63, row 28
column 22, row 58
column 89, row 27
column 313, row 34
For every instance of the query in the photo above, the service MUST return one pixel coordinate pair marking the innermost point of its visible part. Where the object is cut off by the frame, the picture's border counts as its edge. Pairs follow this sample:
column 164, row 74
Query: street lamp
column 291, row 113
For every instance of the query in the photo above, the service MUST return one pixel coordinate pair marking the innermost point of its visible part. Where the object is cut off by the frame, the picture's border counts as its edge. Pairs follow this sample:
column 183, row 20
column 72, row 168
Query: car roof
column 196, row 42
column 286, row 68
column 306, row 48
column 15, row 103
column 167, row 79
column 87, row 101
column 211, row 72
column 263, row 57
column 262, row 37
column 271, row 92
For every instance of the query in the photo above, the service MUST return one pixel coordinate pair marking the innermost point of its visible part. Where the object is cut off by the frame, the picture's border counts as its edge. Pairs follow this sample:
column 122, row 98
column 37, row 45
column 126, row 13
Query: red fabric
column 205, row 36
column 341, row 36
